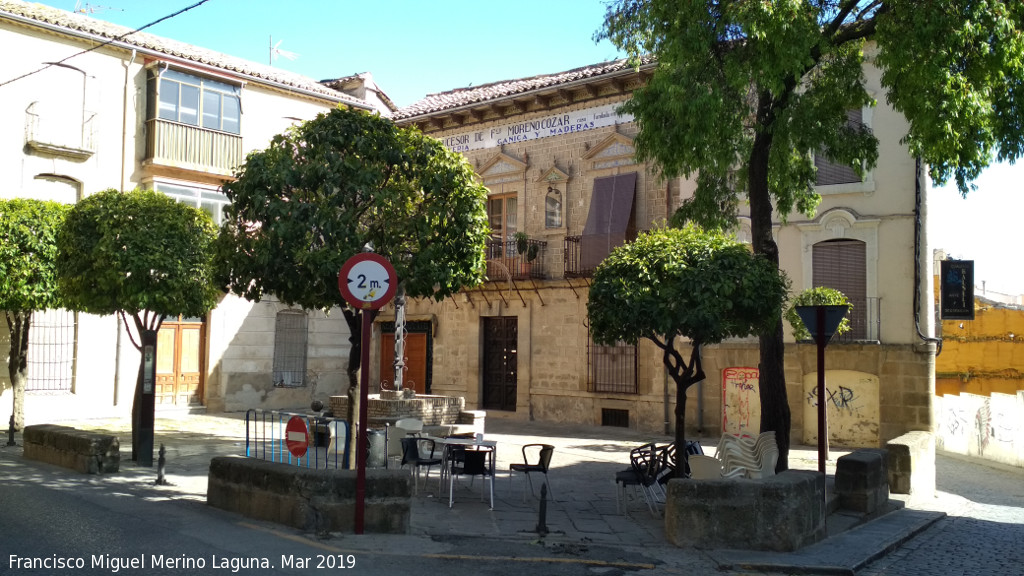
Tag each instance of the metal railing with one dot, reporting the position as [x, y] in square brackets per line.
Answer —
[518, 265]
[266, 438]
[865, 322]
[61, 133]
[185, 146]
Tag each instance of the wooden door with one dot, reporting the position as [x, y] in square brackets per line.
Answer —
[179, 366]
[415, 376]
[501, 335]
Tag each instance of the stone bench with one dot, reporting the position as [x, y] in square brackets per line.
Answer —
[86, 452]
[912, 464]
[310, 499]
[779, 513]
[862, 481]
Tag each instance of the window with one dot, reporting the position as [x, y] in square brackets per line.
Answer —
[51, 351]
[501, 213]
[610, 220]
[210, 201]
[841, 265]
[55, 187]
[290, 332]
[197, 101]
[553, 208]
[612, 368]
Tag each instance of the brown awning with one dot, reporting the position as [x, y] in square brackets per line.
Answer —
[611, 212]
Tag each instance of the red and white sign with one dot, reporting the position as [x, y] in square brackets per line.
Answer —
[296, 436]
[367, 281]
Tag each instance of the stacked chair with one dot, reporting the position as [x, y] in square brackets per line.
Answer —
[748, 458]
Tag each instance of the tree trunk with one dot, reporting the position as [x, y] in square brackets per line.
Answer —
[18, 324]
[775, 414]
[681, 387]
[354, 320]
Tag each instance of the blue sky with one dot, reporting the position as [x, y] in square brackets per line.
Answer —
[417, 47]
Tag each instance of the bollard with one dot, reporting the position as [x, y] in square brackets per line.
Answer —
[10, 433]
[542, 527]
[161, 462]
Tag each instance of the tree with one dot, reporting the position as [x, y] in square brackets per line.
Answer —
[744, 91]
[141, 255]
[28, 279]
[344, 180]
[683, 283]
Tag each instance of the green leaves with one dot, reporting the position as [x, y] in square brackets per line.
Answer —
[684, 282]
[137, 251]
[815, 297]
[318, 194]
[28, 254]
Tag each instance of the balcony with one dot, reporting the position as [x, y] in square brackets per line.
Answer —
[504, 261]
[60, 132]
[865, 322]
[189, 147]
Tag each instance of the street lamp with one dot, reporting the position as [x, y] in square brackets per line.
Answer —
[822, 321]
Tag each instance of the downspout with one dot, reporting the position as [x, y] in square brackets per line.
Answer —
[918, 232]
[124, 167]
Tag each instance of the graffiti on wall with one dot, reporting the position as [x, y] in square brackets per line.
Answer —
[851, 408]
[988, 427]
[741, 401]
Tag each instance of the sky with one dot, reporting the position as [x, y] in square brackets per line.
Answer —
[419, 47]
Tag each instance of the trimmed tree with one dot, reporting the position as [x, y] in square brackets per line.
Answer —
[329, 187]
[140, 255]
[28, 279]
[745, 91]
[683, 283]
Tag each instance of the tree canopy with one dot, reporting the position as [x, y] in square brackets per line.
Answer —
[745, 92]
[683, 283]
[344, 180]
[28, 279]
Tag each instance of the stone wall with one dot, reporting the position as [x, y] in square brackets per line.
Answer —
[307, 499]
[432, 410]
[86, 452]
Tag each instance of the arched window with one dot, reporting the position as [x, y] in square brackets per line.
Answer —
[290, 331]
[553, 208]
[55, 187]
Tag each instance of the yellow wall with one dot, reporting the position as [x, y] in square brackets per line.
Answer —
[983, 355]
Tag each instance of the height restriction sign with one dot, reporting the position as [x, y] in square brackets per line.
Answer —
[367, 281]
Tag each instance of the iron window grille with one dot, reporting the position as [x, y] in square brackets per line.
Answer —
[52, 341]
[290, 336]
[612, 369]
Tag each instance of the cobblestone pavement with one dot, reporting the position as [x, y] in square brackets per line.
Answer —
[984, 534]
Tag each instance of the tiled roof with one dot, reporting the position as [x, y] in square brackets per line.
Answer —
[496, 90]
[77, 24]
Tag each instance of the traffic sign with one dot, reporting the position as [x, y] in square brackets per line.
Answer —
[296, 436]
[367, 281]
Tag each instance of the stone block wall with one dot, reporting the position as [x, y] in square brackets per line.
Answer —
[780, 513]
[912, 464]
[307, 499]
[86, 452]
[862, 480]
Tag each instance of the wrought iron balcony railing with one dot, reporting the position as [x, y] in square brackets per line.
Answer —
[504, 260]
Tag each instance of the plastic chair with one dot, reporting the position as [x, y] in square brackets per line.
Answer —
[704, 467]
[472, 463]
[541, 464]
[393, 439]
[411, 456]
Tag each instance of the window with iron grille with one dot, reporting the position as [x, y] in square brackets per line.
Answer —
[611, 368]
[52, 340]
[290, 333]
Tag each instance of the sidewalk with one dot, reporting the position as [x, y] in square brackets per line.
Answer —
[582, 510]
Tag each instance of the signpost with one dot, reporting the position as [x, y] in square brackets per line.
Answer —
[296, 436]
[367, 281]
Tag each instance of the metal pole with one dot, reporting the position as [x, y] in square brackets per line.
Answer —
[361, 444]
[822, 423]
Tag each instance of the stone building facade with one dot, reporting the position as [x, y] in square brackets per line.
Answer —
[559, 164]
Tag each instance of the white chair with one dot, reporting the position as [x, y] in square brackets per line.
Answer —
[704, 467]
[393, 439]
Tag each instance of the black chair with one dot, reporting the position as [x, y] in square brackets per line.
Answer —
[541, 464]
[411, 456]
[645, 463]
[465, 462]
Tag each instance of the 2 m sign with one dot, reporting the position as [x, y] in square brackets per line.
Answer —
[367, 281]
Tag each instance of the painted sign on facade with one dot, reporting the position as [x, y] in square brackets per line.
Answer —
[987, 427]
[544, 127]
[741, 402]
[851, 408]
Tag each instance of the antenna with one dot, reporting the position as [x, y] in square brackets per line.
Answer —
[91, 9]
[275, 51]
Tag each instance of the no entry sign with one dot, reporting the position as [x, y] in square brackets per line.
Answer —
[296, 436]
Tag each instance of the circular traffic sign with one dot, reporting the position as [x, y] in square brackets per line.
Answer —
[367, 280]
[296, 436]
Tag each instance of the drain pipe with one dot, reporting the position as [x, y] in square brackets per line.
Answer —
[124, 151]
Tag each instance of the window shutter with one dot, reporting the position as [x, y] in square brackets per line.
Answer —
[832, 173]
[611, 212]
[842, 265]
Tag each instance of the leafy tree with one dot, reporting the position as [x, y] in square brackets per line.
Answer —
[141, 255]
[28, 279]
[744, 91]
[344, 180]
[683, 283]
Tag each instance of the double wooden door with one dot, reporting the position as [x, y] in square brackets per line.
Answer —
[415, 375]
[179, 362]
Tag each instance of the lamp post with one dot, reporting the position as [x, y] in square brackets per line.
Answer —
[822, 321]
